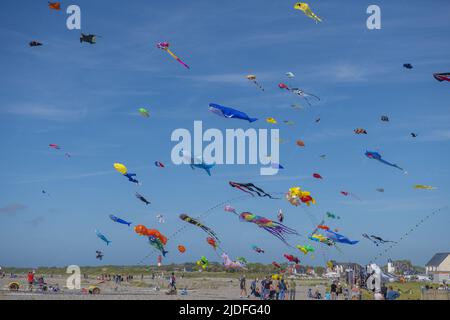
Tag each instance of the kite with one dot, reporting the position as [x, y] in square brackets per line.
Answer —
[229, 112]
[54, 146]
[251, 189]
[336, 237]
[322, 239]
[360, 131]
[317, 120]
[295, 196]
[144, 112]
[89, 38]
[157, 244]
[54, 5]
[165, 46]
[141, 197]
[276, 265]
[68, 155]
[160, 218]
[199, 163]
[229, 208]
[252, 78]
[296, 106]
[332, 216]
[414, 135]
[271, 120]
[317, 176]
[407, 66]
[203, 262]
[307, 11]
[290, 75]
[197, 223]
[424, 187]
[257, 249]
[143, 231]
[34, 44]
[212, 242]
[228, 263]
[124, 171]
[181, 249]
[323, 156]
[385, 118]
[45, 192]
[380, 190]
[346, 193]
[101, 236]
[323, 227]
[305, 249]
[298, 92]
[159, 164]
[118, 220]
[292, 258]
[376, 156]
[280, 216]
[442, 76]
[376, 240]
[99, 255]
[300, 143]
[275, 228]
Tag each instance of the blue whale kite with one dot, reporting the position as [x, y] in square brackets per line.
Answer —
[376, 156]
[229, 112]
[101, 236]
[118, 220]
[336, 237]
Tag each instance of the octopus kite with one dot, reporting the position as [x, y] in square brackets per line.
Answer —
[250, 188]
[197, 223]
[275, 228]
[143, 231]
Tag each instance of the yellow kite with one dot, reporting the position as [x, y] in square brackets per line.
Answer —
[271, 120]
[421, 186]
[307, 10]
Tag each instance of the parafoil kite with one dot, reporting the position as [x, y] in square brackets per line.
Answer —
[203, 262]
[118, 220]
[141, 197]
[165, 46]
[251, 189]
[275, 228]
[376, 156]
[144, 231]
[101, 236]
[296, 196]
[252, 78]
[144, 112]
[307, 11]
[442, 76]
[197, 223]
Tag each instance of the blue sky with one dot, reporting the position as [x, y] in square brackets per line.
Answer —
[85, 98]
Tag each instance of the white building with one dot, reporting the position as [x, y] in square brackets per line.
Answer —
[439, 267]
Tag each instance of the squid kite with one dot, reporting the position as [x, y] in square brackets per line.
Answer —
[165, 46]
[296, 196]
[376, 156]
[307, 11]
[275, 228]
[252, 78]
[251, 189]
[144, 231]
[197, 223]
[298, 92]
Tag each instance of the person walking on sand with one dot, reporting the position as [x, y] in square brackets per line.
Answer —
[292, 289]
[243, 287]
[30, 279]
[173, 282]
[333, 290]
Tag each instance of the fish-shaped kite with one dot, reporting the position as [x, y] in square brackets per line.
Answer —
[101, 236]
[376, 156]
[119, 220]
[307, 11]
[229, 112]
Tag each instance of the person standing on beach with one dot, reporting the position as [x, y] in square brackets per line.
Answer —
[243, 287]
[173, 282]
[333, 290]
[292, 289]
[30, 279]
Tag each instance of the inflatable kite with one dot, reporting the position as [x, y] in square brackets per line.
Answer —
[118, 220]
[257, 249]
[229, 208]
[292, 258]
[54, 5]
[376, 156]
[360, 131]
[275, 228]
[144, 112]
[307, 11]
[230, 264]
[159, 164]
[141, 197]
[99, 255]
[101, 236]
[165, 46]
[143, 231]
[300, 143]
[336, 237]
[296, 196]
[376, 240]
[182, 249]
[251, 189]
[212, 242]
[332, 215]
[322, 239]
[197, 223]
[317, 176]
[34, 44]
[252, 78]
[122, 169]
[442, 76]
[385, 118]
[305, 249]
[229, 113]
[54, 146]
[271, 120]
[203, 262]
[407, 66]
[157, 244]
[298, 92]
